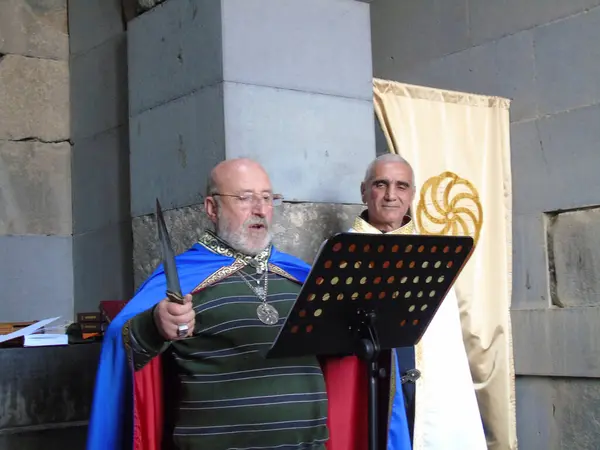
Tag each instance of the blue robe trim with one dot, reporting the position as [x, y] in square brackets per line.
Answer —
[399, 435]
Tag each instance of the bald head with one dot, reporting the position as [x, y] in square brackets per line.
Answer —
[226, 172]
[235, 203]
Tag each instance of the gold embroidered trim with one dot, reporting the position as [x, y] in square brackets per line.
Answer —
[216, 245]
[220, 274]
[279, 271]
[393, 370]
[362, 226]
[127, 342]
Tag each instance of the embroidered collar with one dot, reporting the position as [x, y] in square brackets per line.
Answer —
[362, 226]
[217, 245]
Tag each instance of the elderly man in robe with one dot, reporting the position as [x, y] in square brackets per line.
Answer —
[438, 410]
[225, 395]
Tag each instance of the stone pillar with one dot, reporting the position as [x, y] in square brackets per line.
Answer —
[65, 227]
[102, 245]
[36, 273]
[286, 82]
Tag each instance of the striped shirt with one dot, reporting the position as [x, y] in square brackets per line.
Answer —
[230, 395]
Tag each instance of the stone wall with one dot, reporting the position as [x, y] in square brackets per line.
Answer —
[65, 232]
[542, 55]
[35, 161]
[265, 84]
[298, 228]
[102, 246]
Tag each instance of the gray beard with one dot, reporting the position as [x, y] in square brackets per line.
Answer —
[239, 240]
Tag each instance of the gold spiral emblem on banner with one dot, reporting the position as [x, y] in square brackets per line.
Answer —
[449, 205]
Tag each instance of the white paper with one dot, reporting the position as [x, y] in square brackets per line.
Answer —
[27, 330]
[43, 340]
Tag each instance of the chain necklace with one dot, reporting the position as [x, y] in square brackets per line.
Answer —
[266, 313]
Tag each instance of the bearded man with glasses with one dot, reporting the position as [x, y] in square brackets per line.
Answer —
[224, 394]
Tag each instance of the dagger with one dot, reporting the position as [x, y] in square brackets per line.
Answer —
[173, 286]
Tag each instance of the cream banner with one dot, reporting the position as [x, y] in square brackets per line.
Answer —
[459, 147]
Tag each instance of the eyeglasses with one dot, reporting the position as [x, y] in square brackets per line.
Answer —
[248, 199]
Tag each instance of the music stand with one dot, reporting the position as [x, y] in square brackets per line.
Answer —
[371, 292]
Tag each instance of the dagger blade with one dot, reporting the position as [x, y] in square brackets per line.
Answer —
[168, 256]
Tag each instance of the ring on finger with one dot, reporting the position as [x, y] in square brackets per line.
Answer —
[182, 330]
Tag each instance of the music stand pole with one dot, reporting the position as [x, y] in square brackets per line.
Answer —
[368, 351]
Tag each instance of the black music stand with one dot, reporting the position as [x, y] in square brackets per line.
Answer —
[371, 292]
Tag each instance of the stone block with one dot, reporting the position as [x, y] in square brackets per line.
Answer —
[301, 228]
[314, 147]
[100, 180]
[570, 147]
[165, 58]
[92, 22]
[531, 175]
[567, 57]
[46, 387]
[99, 88]
[102, 266]
[559, 342]
[310, 46]
[530, 263]
[490, 19]
[35, 188]
[34, 99]
[574, 254]
[36, 275]
[173, 149]
[298, 228]
[185, 226]
[502, 68]
[556, 414]
[34, 28]
[408, 33]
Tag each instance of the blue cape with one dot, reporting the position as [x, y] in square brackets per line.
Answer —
[110, 409]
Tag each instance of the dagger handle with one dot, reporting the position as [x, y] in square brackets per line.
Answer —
[175, 298]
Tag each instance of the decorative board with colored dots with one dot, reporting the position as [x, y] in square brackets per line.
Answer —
[402, 278]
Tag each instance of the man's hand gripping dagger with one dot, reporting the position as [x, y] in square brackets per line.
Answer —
[174, 316]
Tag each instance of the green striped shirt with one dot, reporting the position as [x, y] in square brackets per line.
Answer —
[231, 396]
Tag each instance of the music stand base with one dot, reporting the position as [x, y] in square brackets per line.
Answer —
[368, 351]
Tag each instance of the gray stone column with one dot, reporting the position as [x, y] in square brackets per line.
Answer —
[102, 254]
[36, 275]
[286, 82]
[65, 227]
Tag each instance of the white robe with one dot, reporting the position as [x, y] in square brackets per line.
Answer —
[446, 411]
